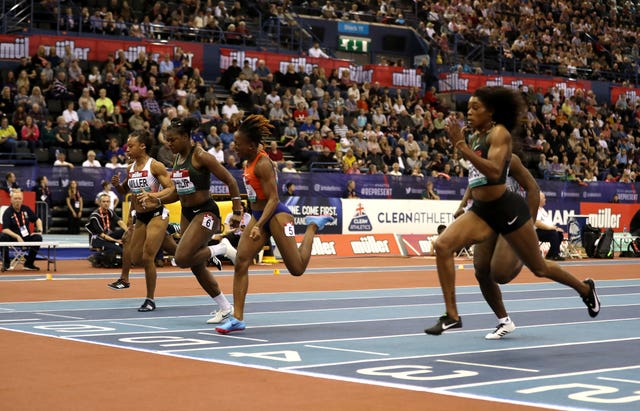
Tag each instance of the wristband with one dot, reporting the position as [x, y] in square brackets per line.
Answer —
[235, 198]
[237, 212]
[159, 200]
[456, 145]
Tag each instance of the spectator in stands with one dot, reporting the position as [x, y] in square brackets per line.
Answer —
[36, 97]
[289, 167]
[290, 189]
[16, 227]
[430, 193]
[61, 160]
[262, 70]
[114, 164]
[91, 160]
[104, 101]
[275, 154]
[85, 113]
[229, 109]
[60, 89]
[114, 200]
[74, 206]
[30, 134]
[115, 150]
[10, 183]
[70, 115]
[8, 136]
[217, 151]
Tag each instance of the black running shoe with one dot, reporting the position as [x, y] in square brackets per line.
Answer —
[147, 305]
[591, 300]
[216, 262]
[444, 323]
[119, 284]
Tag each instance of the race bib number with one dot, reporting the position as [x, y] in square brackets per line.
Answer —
[289, 230]
[207, 222]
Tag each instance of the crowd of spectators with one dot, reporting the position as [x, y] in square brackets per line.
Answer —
[325, 120]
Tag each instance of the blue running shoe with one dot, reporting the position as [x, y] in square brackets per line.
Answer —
[233, 324]
[319, 220]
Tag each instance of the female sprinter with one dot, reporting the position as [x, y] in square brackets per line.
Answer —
[191, 175]
[494, 260]
[269, 217]
[151, 219]
[494, 113]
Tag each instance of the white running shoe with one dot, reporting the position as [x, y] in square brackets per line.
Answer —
[231, 252]
[220, 316]
[501, 330]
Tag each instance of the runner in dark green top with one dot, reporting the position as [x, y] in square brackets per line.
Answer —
[200, 215]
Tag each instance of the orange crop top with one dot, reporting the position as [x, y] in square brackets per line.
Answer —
[251, 182]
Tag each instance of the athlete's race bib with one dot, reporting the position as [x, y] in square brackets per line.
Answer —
[183, 182]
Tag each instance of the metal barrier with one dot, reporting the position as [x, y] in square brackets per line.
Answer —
[43, 213]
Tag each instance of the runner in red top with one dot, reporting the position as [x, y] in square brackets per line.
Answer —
[269, 217]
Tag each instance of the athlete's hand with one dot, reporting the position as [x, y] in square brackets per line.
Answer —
[455, 132]
[458, 212]
[235, 220]
[255, 234]
[115, 180]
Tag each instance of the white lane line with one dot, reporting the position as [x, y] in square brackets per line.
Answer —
[61, 316]
[542, 377]
[344, 349]
[488, 366]
[19, 320]
[447, 354]
[234, 336]
[138, 325]
[619, 380]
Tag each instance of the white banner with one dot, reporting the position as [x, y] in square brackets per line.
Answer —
[380, 216]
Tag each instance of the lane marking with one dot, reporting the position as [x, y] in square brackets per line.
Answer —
[542, 377]
[19, 320]
[61, 316]
[234, 336]
[137, 325]
[412, 357]
[608, 320]
[344, 349]
[619, 380]
[488, 366]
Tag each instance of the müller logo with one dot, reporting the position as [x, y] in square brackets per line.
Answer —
[14, 51]
[605, 218]
[369, 245]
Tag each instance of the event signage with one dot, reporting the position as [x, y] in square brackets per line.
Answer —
[375, 216]
[97, 49]
[608, 215]
[467, 83]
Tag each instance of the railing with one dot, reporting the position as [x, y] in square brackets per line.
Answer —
[16, 16]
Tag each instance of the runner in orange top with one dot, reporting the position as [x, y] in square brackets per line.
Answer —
[269, 217]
